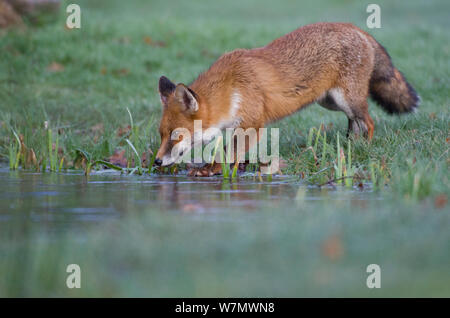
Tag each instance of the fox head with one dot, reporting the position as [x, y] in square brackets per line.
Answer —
[180, 105]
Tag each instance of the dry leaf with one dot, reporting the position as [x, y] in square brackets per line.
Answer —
[148, 40]
[144, 159]
[144, 156]
[242, 166]
[31, 158]
[97, 129]
[123, 131]
[55, 67]
[332, 248]
[160, 44]
[121, 72]
[440, 201]
[8, 16]
[118, 158]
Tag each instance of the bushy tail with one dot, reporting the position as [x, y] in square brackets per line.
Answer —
[388, 87]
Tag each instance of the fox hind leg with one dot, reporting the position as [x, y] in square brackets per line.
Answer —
[356, 109]
[361, 123]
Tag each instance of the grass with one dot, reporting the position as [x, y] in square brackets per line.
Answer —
[102, 98]
[86, 101]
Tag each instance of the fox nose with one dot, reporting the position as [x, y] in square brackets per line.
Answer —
[158, 161]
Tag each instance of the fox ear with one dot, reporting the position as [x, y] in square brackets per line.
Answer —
[187, 98]
[166, 87]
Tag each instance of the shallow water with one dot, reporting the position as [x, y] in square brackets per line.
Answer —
[176, 236]
[71, 198]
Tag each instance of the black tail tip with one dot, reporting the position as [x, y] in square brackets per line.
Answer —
[398, 102]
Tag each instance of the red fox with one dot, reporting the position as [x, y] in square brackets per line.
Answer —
[336, 65]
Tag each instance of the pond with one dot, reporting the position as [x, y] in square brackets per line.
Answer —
[74, 197]
[173, 235]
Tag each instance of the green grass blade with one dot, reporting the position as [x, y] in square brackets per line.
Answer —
[316, 142]
[339, 162]
[152, 162]
[139, 164]
[225, 166]
[131, 118]
[108, 164]
[373, 175]
[215, 149]
[55, 154]
[235, 169]
[85, 154]
[18, 151]
[310, 137]
[50, 143]
[12, 156]
[61, 164]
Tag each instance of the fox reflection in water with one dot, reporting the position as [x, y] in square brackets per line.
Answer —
[208, 195]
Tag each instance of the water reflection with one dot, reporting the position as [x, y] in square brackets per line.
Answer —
[72, 197]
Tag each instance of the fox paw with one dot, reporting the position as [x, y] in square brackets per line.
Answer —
[206, 171]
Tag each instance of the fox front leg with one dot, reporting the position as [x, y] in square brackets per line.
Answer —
[206, 171]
